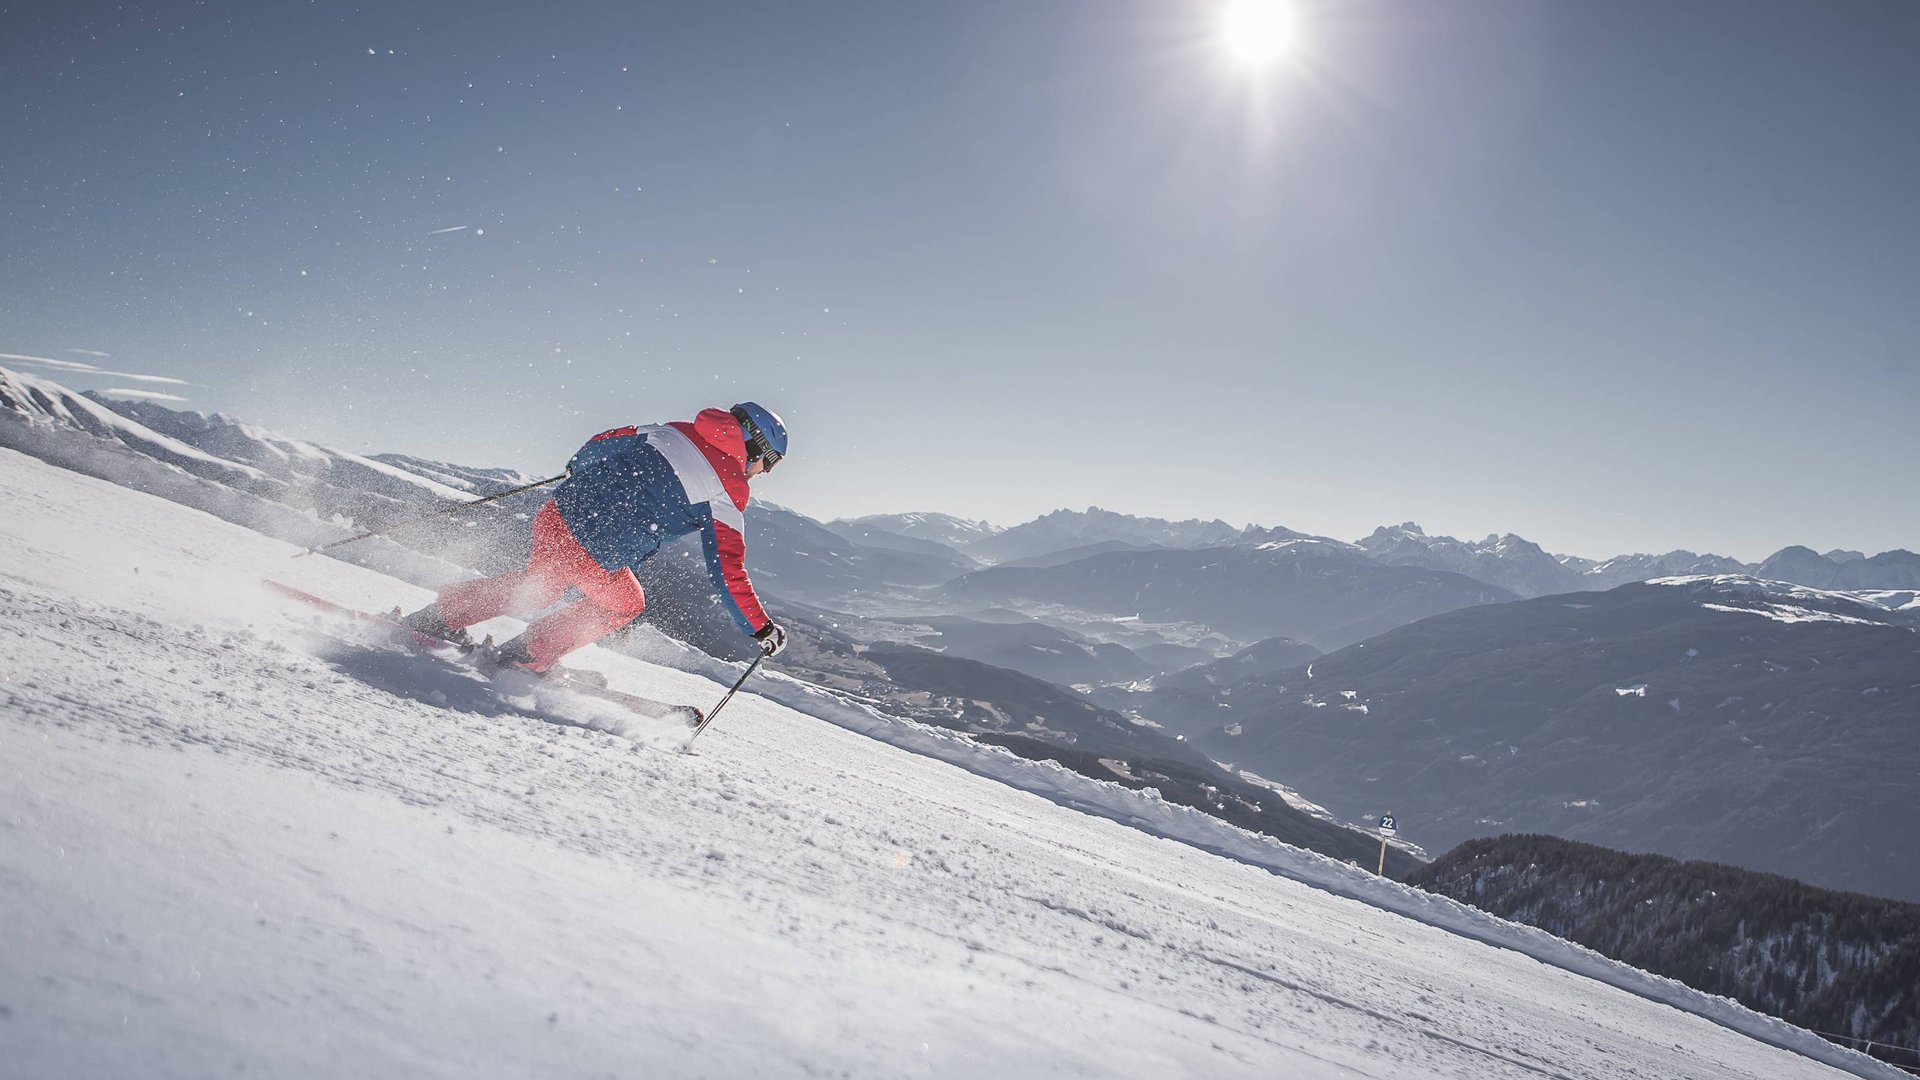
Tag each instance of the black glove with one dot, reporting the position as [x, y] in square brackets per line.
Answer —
[771, 638]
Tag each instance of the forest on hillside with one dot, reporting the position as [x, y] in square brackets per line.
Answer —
[1842, 964]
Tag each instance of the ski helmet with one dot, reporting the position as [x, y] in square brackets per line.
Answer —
[766, 436]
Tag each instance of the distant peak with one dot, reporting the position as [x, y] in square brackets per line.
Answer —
[1391, 532]
[1511, 542]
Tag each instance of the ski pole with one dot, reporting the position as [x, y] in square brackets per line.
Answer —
[708, 719]
[454, 509]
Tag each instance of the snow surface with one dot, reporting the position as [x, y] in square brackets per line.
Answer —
[235, 840]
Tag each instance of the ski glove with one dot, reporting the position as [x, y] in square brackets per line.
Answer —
[771, 638]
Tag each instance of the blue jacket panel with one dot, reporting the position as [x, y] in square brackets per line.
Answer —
[621, 500]
[624, 497]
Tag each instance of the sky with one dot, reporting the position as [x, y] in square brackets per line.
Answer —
[1616, 276]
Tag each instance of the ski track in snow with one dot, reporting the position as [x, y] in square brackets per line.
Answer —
[235, 839]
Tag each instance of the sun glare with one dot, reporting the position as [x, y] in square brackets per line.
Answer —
[1256, 32]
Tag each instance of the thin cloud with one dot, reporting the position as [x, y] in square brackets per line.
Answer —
[448, 229]
[143, 395]
[91, 352]
[48, 361]
[90, 369]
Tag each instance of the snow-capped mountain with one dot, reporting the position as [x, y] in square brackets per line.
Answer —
[1756, 723]
[296, 461]
[1897, 569]
[1065, 529]
[1521, 566]
[1621, 569]
[257, 475]
[1513, 563]
[1066, 535]
[1506, 560]
[953, 532]
[874, 536]
[251, 842]
[29, 400]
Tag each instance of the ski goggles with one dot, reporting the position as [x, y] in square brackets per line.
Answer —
[758, 447]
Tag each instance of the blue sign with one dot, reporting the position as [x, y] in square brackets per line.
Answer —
[1387, 827]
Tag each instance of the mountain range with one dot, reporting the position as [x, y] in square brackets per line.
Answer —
[371, 488]
[1505, 560]
[1323, 593]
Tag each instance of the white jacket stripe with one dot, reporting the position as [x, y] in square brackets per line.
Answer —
[697, 478]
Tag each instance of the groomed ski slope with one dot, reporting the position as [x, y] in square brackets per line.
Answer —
[234, 844]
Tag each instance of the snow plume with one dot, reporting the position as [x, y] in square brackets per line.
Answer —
[89, 369]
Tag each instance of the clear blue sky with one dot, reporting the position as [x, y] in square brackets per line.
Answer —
[1615, 275]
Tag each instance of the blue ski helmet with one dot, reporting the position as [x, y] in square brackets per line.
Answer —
[766, 436]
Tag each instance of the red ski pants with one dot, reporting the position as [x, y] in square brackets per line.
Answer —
[613, 598]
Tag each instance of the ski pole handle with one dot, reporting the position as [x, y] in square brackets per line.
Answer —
[444, 511]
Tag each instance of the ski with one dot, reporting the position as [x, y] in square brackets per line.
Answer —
[588, 683]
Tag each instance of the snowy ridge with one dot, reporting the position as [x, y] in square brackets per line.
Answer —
[112, 460]
[294, 460]
[1789, 613]
[1789, 602]
[475, 481]
[1892, 599]
[1282, 545]
[31, 399]
[244, 457]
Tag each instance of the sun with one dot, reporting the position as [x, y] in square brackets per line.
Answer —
[1255, 33]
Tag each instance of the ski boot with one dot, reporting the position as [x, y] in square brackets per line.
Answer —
[428, 621]
[513, 655]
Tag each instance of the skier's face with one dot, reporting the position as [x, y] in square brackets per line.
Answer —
[756, 467]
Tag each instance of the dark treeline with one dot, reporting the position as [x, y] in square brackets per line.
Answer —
[1834, 962]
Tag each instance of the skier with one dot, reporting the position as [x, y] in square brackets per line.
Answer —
[628, 491]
